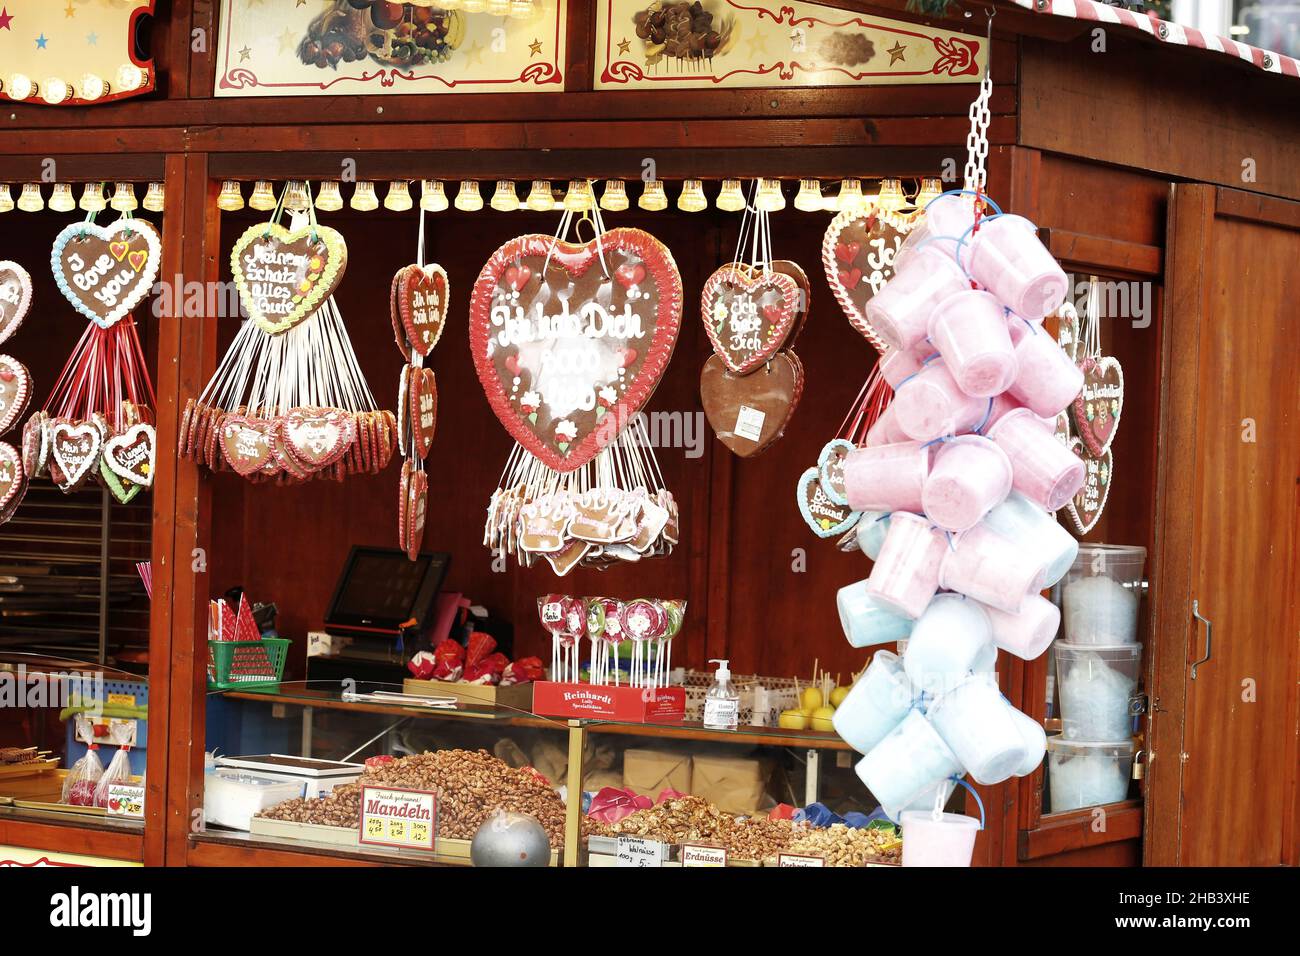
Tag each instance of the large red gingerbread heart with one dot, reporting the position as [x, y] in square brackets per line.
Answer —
[420, 298]
[571, 340]
[858, 255]
[748, 315]
[423, 411]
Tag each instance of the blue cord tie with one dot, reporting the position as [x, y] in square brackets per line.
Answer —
[979, 429]
[978, 802]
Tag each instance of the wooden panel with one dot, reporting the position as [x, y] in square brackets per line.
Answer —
[1241, 750]
[70, 838]
[1191, 212]
[1065, 832]
[1196, 120]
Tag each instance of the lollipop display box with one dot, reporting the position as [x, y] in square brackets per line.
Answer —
[640, 705]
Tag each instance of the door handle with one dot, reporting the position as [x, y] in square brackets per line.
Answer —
[1209, 635]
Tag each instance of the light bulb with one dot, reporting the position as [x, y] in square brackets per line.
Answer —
[769, 197]
[56, 91]
[295, 196]
[124, 198]
[809, 197]
[329, 198]
[931, 189]
[578, 198]
[433, 196]
[363, 197]
[473, 6]
[653, 197]
[263, 198]
[504, 197]
[891, 198]
[540, 198]
[498, 8]
[692, 197]
[731, 198]
[21, 87]
[521, 9]
[850, 196]
[130, 77]
[6, 198]
[61, 199]
[154, 197]
[92, 198]
[467, 196]
[449, 4]
[31, 200]
[230, 198]
[93, 87]
[399, 196]
[614, 198]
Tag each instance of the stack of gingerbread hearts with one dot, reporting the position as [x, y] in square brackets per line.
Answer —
[289, 402]
[98, 423]
[15, 384]
[418, 305]
[570, 341]
[753, 309]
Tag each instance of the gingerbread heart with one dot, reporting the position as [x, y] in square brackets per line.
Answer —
[420, 297]
[36, 445]
[1086, 506]
[123, 490]
[75, 447]
[317, 437]
[284, 275]
[403, 496]
[858, 252]
[131, 456]
[749, 412]
[423, 411]
[105, 271]
[247, 443]
[795, 271]
[13, 481]
[15, 391]
[748, 314]
[15, 297]
[830, 469]
[1100, 403]
[570, 340]
[826, 518]
[1067, 330]
[415, 512]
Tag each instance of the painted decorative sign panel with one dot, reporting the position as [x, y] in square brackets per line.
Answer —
[649, 44]
[71, 52]
[351, 47]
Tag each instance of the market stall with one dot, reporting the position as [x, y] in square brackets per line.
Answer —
[404, 573]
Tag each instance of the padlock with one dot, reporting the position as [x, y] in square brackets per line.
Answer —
[1139, 767]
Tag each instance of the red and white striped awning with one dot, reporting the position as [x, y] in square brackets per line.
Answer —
[1166, 32]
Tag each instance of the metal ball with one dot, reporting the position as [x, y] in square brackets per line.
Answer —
[510, 839]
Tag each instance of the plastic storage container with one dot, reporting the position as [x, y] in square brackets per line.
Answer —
[975, 722]
[1102, 592]
[1095, 684]
[875, 705]
[948, 840]
[1087, 773]
[866, 621]
[245, 664]
[909, 760]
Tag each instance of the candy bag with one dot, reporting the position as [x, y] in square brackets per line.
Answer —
[119, 771]
[79, 784]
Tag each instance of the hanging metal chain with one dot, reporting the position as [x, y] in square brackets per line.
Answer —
[977, 141]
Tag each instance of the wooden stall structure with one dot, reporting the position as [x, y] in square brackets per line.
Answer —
[1153, 163]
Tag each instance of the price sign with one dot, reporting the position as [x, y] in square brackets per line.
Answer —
[406, 819]
[799, 859]
[125, 800]
[699, 854]
[638, 851]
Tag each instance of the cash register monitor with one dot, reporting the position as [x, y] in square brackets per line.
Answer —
[381, 589]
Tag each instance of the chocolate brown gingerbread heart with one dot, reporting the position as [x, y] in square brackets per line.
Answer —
[15, 297]
[749, 412]
[283, 276]
[420, 297]
[105, 271]
[15, 391]
[75, 448]
[317, 437]
[423, 411]
[131, 456]
[13, 481]
[247, 443]
[748, 314]
[858, 255]
[1100, 403]
[1086, 506]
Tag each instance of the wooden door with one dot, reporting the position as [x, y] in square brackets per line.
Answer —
[1224, 739]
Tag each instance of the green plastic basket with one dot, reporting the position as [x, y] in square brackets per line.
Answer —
[242, 664]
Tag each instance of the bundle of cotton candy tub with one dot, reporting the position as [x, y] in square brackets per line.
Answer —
[958, 483]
